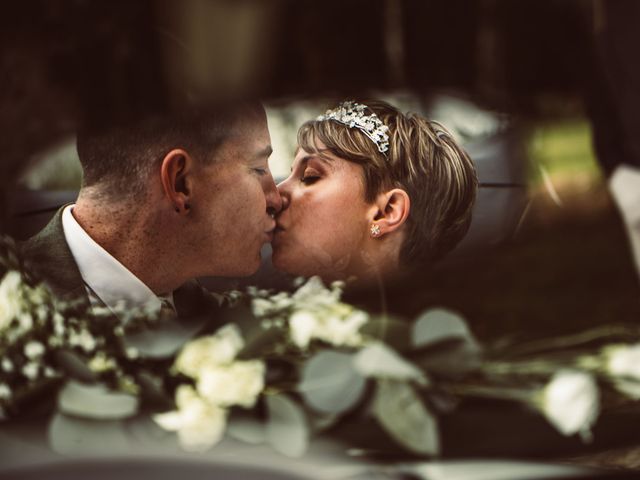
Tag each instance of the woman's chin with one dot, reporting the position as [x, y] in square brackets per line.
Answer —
[294, 265]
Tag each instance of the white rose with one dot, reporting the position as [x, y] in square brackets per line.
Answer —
[623, 361]
[302, 328]
[570, 401]
[239, 383]
[10, 298]
[344, 330]
[217, 349]
[199, 424]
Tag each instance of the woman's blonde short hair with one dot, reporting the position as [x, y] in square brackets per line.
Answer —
[424, 160]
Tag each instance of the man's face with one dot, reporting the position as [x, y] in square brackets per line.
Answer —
[234, 200]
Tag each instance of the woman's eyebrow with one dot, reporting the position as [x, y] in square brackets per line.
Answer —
[319, 157]
[304, 160]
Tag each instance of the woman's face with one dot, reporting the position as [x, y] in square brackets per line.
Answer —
[324, 222]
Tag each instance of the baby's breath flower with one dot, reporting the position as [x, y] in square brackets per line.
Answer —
[132, 353]
[30, 370]
[261, 307]
[10, 298]
[58, 324]
[42, 312]
[101, 363]
[7, 365]
[33, 349]
[82, 339]
[127, 384]
[5, 391]
[338, 325]
[26, 321]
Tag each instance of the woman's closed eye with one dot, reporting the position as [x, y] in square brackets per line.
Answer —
[310, 176]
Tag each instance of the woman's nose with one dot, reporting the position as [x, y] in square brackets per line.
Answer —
[285, 194]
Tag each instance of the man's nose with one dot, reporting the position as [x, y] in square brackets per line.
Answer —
[274, 201]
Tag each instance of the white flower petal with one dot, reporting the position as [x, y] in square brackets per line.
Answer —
[302, 326]
[239, 383]
[218, 349]
[571, 402]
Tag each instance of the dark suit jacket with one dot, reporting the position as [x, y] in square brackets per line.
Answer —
[49, 256]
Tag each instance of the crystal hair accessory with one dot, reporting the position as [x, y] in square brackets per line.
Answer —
[353, 115]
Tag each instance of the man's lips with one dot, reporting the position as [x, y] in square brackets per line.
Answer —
[270, 232]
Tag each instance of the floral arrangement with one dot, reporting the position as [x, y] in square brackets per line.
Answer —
[288, 365]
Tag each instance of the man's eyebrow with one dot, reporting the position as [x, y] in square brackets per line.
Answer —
[265, 152]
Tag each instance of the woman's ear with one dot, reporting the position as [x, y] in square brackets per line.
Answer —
[174, 175]
[392, 210]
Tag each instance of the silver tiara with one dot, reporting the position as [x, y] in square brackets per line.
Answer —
[353, 115]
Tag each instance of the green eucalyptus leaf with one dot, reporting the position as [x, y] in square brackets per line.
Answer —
[405, 418]
[81, 436]
[95, 401]
[152, 391]
[164, 339]
[287, 430]
[330, 383]
[247, 429]
[74, 366]
[439, 324]
[379, 361]
[452, 358]
[392, 330]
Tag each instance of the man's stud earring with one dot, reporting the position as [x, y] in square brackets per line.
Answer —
[375, 230]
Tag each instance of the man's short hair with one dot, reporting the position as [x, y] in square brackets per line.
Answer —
[119, 159]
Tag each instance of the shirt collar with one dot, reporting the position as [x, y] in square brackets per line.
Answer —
[111, 281]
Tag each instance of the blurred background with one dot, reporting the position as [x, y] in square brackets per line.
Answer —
[543, 95]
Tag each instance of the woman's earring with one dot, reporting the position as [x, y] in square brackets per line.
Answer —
[375, 230]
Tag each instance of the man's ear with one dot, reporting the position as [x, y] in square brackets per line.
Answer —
[174, 175]
[391, 211]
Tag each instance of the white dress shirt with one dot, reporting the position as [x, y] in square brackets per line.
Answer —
[107, 281]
